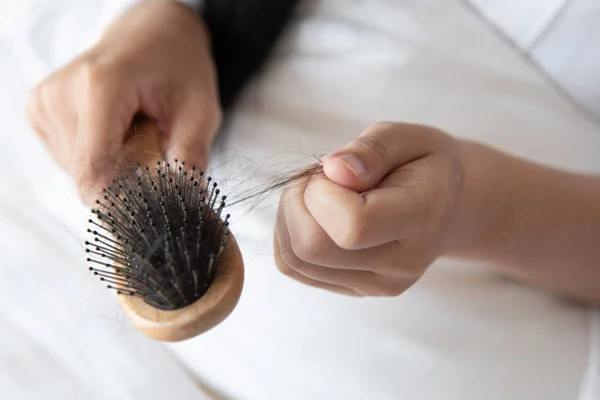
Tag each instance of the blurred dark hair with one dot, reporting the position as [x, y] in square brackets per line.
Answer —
[243, 33]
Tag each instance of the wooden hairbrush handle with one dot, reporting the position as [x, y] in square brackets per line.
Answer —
[222, 296]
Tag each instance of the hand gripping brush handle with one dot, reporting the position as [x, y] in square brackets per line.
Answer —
[160, 240]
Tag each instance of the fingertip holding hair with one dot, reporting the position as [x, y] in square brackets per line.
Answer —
[345, 169]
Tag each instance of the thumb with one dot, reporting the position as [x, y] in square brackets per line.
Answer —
[192, 131]
[380, 149]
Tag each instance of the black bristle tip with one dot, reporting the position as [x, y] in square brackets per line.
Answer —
[156, 235]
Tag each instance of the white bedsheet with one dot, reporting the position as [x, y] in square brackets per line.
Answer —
[560, 36]
[461, 333]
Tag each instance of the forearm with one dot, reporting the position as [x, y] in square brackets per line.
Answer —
[537, 223]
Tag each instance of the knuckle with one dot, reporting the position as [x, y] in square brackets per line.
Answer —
[347, 240]
[353, 233]
[383, 126]
[283, 267]
[384, 286]
[411, 264]
[96, 73]
[373, 146]
[391, 290]
[290, 259]
[309, 245]
[380, 286]
[411, 269]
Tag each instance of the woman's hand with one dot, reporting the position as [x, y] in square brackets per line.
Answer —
[154, 60]
[384, 209]
[426, 194]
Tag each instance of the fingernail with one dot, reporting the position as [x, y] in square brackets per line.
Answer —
[353, 163]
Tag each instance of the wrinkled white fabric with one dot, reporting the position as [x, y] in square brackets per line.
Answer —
[562, 37]
[461, 333]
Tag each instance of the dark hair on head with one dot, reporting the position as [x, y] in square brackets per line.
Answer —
[243, 33]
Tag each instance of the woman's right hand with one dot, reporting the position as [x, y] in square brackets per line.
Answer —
[154, 60]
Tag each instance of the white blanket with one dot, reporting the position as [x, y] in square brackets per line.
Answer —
[559, 36]
[461, 333]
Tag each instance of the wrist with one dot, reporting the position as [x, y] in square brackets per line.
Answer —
[534, 222]
[509, 207]
[479, 215]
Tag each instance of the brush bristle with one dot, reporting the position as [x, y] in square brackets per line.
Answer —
[158, 235]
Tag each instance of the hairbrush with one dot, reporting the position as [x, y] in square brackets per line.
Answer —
[160, 240]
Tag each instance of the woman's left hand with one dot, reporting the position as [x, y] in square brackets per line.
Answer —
[387, 205]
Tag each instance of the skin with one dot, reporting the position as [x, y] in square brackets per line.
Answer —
[416, 193]
[154, 60]
[430, 195]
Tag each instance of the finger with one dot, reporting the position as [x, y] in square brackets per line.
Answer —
[361, 283]
[58, 95]
[381, 148]
[284, 255]
[406, 205]
[62, 119]
[37, 116]
[105, 113]
[43, 122]
[311, 244]
[291, 273]
[364, 282]
[193, 128]
[397, 275]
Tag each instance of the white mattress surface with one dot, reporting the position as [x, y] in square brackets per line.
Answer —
[461, 333]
